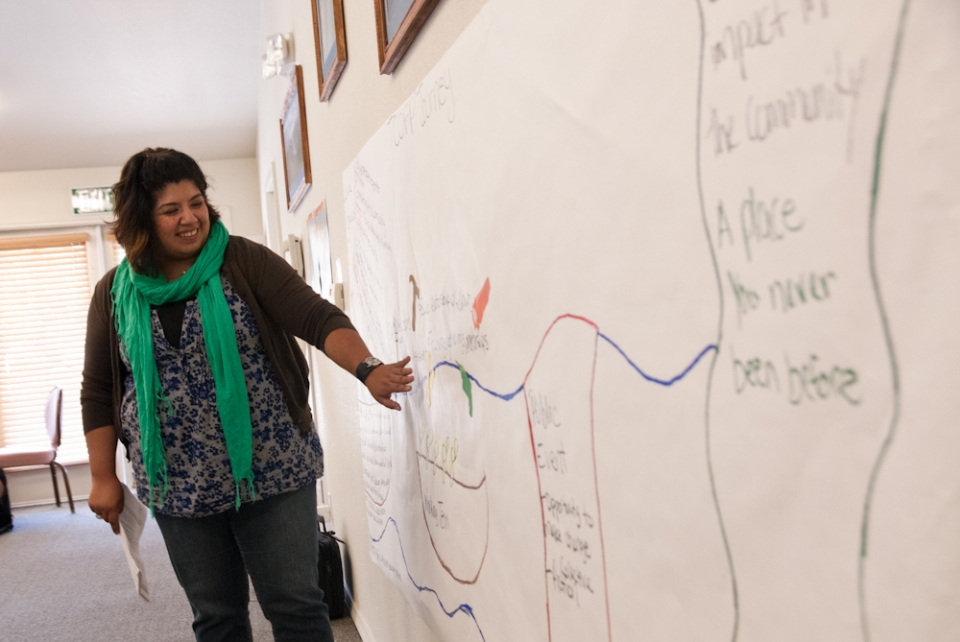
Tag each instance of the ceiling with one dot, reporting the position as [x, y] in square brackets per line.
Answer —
[87, 83]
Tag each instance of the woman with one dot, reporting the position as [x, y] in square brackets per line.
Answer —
[192, 364]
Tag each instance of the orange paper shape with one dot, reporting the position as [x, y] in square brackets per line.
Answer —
[480, 304]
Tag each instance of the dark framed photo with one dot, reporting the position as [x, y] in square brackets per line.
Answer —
[398, 23]
[330, 38]
[296, 151]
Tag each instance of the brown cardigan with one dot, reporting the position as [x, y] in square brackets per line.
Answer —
[282, 304]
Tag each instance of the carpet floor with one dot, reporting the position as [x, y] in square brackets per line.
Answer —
[64, 578]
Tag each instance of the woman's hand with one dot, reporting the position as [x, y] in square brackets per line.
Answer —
[388, 379]
[345, 347]
[106, 501]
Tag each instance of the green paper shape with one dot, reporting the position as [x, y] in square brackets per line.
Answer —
[467, 385]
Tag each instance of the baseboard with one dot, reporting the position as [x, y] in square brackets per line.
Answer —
[47, 502]
[362, 627]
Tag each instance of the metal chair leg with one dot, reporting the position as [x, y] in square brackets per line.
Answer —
[66, 483]
[56, 487]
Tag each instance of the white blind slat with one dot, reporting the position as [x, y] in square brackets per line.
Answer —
[118, 253]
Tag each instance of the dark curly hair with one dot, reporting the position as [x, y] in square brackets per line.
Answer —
[142, 179]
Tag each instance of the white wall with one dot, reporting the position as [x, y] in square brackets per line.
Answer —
[361, 102]
[40, 200]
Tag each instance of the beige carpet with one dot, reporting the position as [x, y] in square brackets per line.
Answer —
[64, 577]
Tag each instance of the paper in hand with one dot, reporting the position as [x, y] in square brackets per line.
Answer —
[132, 520]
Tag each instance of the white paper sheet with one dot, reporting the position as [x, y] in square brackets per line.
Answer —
[677, 281]
[132, 520]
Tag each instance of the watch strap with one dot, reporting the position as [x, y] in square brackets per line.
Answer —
[367, 366]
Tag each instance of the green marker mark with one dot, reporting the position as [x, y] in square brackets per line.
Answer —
[467, 385]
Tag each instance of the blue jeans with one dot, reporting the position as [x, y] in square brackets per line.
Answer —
[275, 541]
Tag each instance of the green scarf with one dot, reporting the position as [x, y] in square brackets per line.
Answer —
[133, 294]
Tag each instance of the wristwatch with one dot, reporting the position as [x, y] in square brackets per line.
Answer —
[366, 367]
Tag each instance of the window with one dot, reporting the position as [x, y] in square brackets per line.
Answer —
[45, 290]
[116, 252]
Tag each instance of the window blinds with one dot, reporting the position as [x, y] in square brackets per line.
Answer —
[117, 253]
[44, 295]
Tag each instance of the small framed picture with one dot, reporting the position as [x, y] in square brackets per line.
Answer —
[398, 23]
[330, 38]
[293, 133]
[320, 274]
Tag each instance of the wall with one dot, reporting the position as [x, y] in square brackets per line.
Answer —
[360, 104]
[40, 200]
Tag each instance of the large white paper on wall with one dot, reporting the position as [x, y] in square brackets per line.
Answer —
[678, 283]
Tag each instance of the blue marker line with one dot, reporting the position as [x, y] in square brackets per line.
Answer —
[662, 382]
[510, 395]
[465, 608]
[506, 397]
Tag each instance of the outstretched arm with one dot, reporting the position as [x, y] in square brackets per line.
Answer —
[347, 349]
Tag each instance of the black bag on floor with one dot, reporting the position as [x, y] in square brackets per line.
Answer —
[330, 566]
[6, 518]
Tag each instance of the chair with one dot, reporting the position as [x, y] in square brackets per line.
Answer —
[15, 457]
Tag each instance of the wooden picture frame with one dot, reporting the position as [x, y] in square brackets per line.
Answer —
[330, 43]
[398, 23]
[293, 138]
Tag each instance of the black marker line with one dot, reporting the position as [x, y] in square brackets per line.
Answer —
[718, 342]
[887, 335]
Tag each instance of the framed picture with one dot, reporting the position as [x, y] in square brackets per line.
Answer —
[293, 133]
[320, 272]
[330, 39]
[398, 23]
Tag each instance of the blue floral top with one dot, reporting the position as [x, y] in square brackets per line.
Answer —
[198, 468]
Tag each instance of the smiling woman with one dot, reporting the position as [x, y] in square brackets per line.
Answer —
[161, 193]
[182, 222]
[192, 362]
